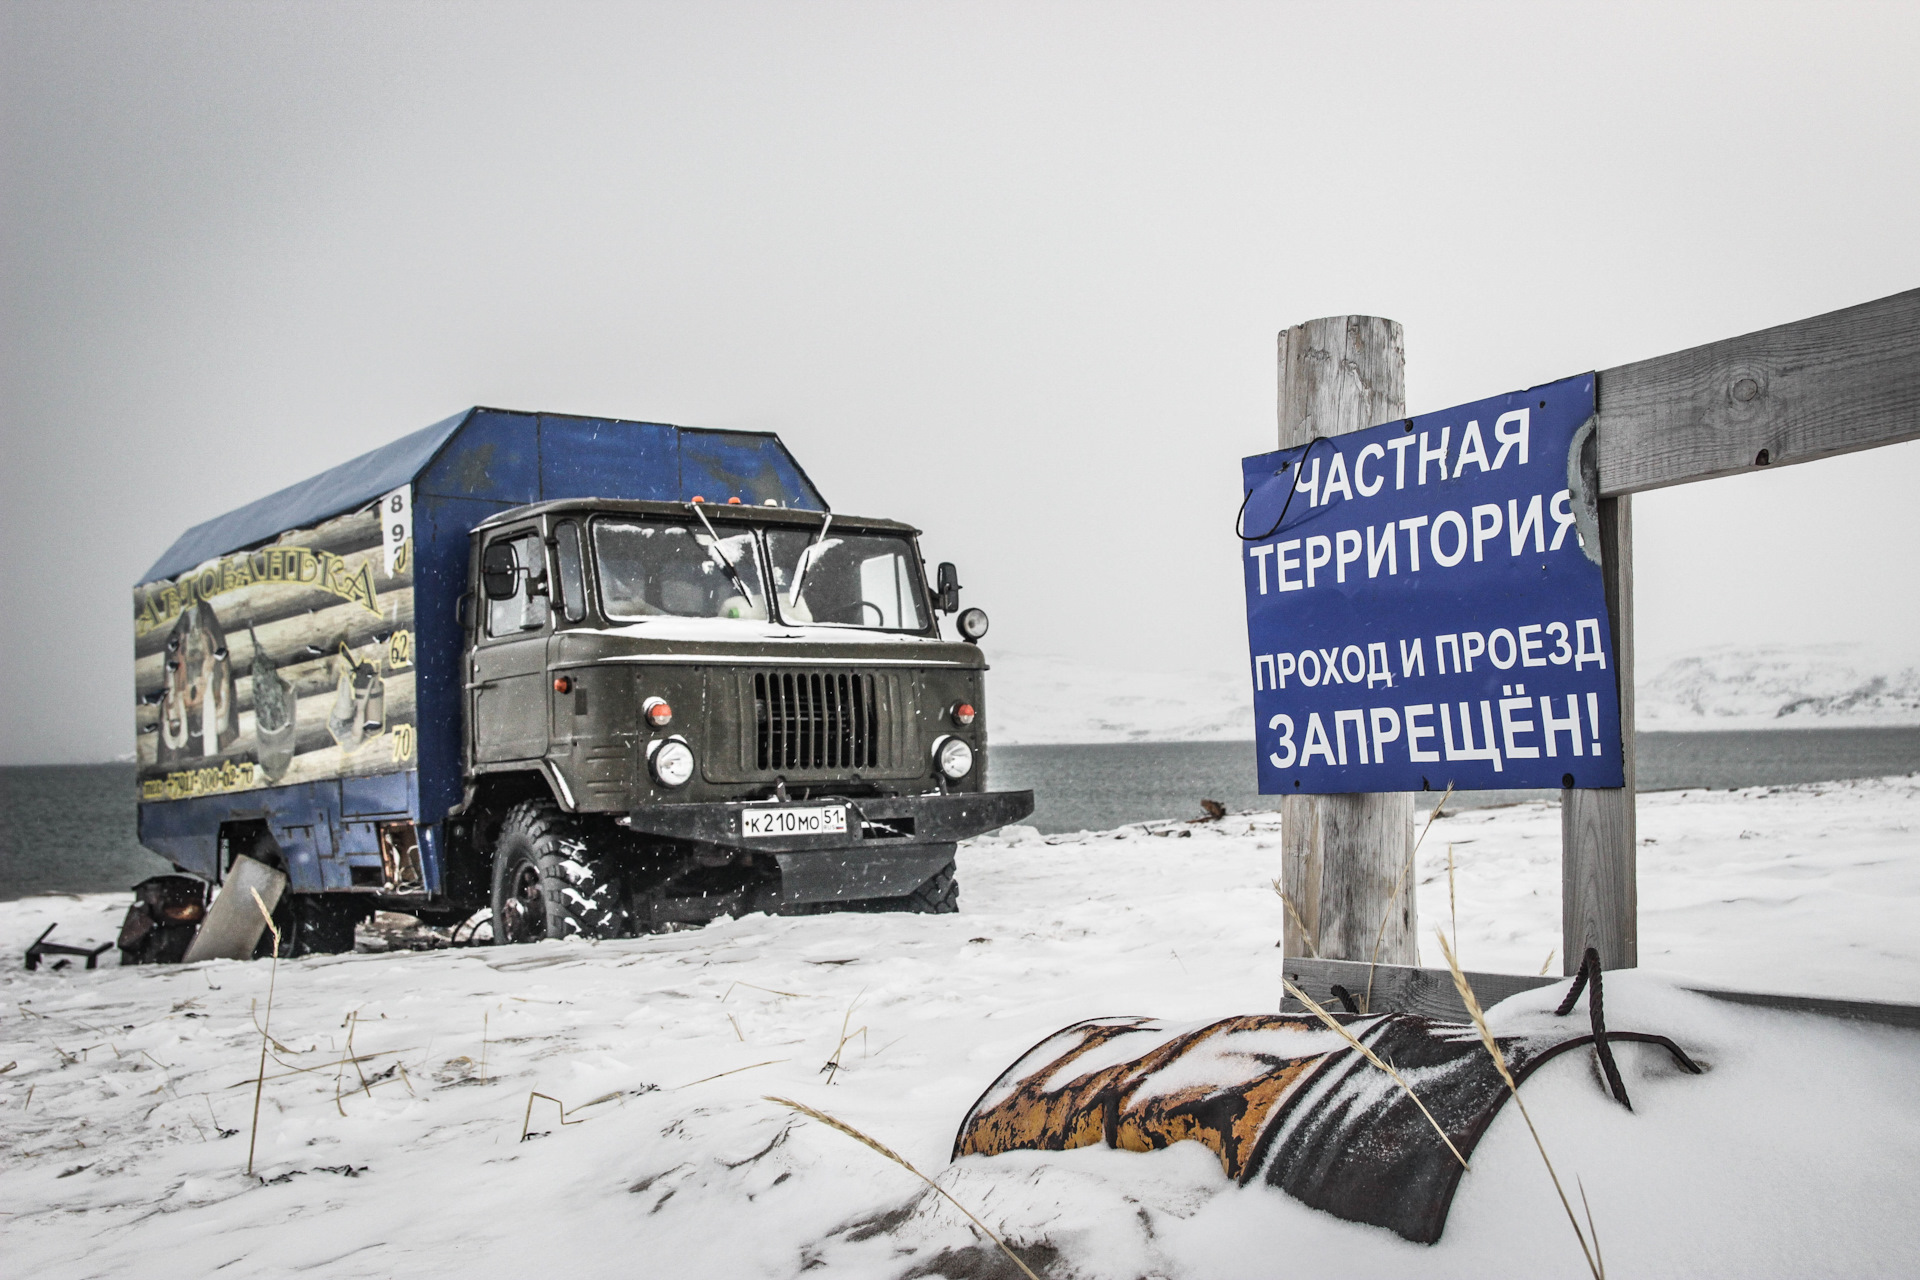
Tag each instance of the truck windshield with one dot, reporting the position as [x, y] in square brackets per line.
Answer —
[846, 580]
[671, 568]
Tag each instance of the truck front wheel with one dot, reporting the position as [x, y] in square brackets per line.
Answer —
[939, 896]
[548, 882]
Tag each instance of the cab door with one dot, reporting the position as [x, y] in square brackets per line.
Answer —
[508, 668]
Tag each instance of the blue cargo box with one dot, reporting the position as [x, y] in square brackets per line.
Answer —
[298, 660]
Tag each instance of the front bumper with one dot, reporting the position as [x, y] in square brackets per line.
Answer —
[874, 823]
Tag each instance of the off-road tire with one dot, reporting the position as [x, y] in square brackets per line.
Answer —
[549, 881]
[937, 897]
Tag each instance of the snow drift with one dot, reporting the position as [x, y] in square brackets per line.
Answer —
[125, 1119]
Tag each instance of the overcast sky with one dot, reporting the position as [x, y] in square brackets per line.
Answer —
[1012, 272]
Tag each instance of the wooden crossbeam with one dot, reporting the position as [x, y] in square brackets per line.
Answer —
[1815, 388]
[1430, 992]
[1828, 385]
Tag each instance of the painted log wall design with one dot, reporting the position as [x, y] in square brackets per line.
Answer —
[291, 662]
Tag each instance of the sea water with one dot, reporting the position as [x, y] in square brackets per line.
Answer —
[70, 828]
[1093, 788]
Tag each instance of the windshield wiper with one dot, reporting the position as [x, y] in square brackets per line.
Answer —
[806, 560]
[715, 549]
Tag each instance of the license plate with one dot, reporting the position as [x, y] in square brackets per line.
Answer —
[795, 820]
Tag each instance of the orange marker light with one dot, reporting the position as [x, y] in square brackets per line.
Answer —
[659, 713]
[562, 685]
[963, 713]
[733, 502]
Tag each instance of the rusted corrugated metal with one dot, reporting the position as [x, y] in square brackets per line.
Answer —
[1279, 1098]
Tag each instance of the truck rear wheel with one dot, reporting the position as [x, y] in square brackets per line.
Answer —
[547, 880]
[313, 924]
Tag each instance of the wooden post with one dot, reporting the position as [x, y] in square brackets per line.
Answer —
[1599, 894]
[1343, 856]
[1812, 389]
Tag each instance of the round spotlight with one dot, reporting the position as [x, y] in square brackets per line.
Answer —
[658, 713]
[671, 762]
[953, 757]
[972, 623]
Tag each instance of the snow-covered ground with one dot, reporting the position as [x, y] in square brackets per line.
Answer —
[1042, 697]
[125, 1123]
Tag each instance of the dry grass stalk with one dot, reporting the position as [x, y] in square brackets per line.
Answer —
[1600, 1263]
[349, 1056]
[1306, 934]
[340, 1069]
[1546, 962]
[771, 1062]
[1406, 870]
[1453, 907]
[874, 1145]
[318, 1066]
[260, 1076]
[483, 1046]
[253, 1012]
[1376, 1060]
[796, 995]
[832, 1067]
[1461, 985]
[528, 1121]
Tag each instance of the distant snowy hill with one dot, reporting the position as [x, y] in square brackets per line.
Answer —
[1780, 687]
[1051, 698]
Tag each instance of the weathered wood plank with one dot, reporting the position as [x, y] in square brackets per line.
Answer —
[1342, 856]
[1831, 384]
[1892, 1015]
[1399, 988]
[1430, 993]
[1599, 895]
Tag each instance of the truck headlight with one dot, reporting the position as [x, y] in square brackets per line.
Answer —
[953, 757]
[671, 761]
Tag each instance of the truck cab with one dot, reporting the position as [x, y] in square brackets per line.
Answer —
[682, 710]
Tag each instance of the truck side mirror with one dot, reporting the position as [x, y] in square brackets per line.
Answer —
[947, 593]
[499, 571]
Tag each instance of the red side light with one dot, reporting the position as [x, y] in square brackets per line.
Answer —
[659, 713]
[562, 685]
[963, 713]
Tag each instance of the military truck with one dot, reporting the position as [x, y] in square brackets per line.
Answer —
[596, 677]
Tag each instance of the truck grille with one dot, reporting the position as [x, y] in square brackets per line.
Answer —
[815, 720]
